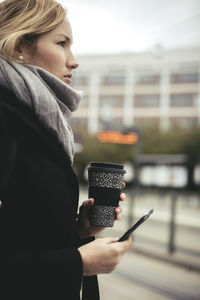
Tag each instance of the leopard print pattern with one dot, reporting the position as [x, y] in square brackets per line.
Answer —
[108, 180]
[102, 216]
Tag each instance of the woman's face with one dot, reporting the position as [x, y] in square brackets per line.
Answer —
[52, 52]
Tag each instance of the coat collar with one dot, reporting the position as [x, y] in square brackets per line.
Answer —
[9, 102]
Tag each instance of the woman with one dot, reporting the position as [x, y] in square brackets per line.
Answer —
[47, 250]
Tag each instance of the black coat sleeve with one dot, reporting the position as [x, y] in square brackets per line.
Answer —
[52, 273]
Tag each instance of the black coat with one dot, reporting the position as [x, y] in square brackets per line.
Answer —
[39, 193]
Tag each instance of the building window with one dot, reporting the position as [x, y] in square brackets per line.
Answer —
[185, 78]
[79, 80]
[113, 80]
[147, 100]
[115, 124]
[111, 101]
[84, 102]
[183, 122]
[144, 122]
[147, 79]
[182, 100]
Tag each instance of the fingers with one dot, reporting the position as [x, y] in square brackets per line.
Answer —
[122, 196]
[128, 243]
[109, 240]
[84, 207]
[88, 203]
[101, 256]
[118, 212]
[125, 245]
[123, 185]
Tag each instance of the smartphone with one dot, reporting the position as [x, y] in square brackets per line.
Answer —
[126, 235]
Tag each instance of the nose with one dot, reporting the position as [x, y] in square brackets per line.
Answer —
[72, 62]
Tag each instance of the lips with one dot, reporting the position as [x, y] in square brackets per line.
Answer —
[68, 75]
[68, 78]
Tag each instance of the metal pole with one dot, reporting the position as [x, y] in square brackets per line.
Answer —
[135, 184]
[172, 225]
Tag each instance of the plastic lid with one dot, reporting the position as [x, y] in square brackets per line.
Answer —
[106, 165]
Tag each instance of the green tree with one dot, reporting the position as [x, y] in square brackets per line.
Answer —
[153, 141]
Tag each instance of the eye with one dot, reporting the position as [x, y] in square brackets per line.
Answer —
[61, 43]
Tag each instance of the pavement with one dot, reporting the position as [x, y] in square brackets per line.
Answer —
[153, 237]
[139, 277]
[149, 271]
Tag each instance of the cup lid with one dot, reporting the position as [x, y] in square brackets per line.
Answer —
[106, 165]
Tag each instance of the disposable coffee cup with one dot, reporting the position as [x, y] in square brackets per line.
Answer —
[105, 183]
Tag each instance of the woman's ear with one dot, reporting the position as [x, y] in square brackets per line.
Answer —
[19, 55]
[22, 51]
[18, 52]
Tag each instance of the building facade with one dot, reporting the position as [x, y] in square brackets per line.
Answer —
[159, 88]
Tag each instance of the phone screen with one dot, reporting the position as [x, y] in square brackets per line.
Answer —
[126, 235]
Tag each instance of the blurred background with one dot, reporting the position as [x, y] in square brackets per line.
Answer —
[140, 79]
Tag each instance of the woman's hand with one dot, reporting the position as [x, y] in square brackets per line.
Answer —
[102, 255]
[83, 225]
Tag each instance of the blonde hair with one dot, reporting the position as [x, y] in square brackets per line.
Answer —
[26, 20]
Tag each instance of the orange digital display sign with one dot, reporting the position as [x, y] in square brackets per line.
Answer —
[117, 137]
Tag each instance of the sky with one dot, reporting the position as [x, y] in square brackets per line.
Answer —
[116, 26]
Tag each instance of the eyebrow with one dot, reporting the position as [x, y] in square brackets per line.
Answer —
[67, 38]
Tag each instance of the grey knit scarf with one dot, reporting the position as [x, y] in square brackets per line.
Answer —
[51, 100]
